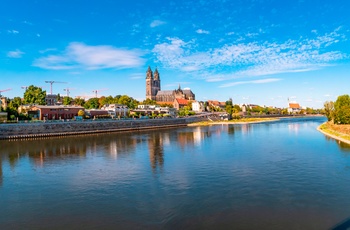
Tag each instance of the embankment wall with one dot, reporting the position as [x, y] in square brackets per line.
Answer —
[44, 129]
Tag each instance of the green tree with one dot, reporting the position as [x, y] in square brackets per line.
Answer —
[67, 100]
[92, 103]
[16, 102]
[149, 102]
[342, 110]
[229, 106]
[329, 109]
[79, 101]
[34, 95]
[129, 101]
[11, 110]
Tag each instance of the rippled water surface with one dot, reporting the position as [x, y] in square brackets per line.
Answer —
[278, 175]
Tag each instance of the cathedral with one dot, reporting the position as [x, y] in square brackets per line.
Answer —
[154, 92]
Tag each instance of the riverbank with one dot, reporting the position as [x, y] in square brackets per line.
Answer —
[337, 132]
[234, 121]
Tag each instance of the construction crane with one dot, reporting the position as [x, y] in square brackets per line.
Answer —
[68, 90]
[97, 90]
[26, 87]
[51, 82]
[4, 90]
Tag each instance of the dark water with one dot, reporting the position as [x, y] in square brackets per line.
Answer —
[279, 175]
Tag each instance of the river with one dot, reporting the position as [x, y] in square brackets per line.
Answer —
[274, 175]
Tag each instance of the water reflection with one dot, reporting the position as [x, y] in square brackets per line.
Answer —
[156, 151]
[224, 176]
[0, 172]
[344, 147]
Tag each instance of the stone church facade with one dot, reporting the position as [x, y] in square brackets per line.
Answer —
[154, 92]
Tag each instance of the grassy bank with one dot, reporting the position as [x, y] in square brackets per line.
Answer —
[235, 121]
[338, 132]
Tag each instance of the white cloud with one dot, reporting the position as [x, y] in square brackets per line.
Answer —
[13, 31]
[156, 23]
[252, 58]
[200, 31]
[79, 55]
[261, 81]
[15, 54]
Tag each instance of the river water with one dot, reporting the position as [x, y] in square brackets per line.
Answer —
[276, 175]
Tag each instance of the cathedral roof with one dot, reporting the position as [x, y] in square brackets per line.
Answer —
[165, 92]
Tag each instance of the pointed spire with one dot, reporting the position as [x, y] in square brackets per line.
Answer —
[149, 74]
[156, 74]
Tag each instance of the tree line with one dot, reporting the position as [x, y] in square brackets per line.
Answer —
[338, 112]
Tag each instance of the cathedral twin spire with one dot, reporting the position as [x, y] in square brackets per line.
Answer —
[151, 75]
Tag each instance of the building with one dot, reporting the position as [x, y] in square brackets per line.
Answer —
[180, 103]
[116, 110]
[95, 113]
[294, 107]
[3, 116]
[154, 92]
[51, 99]
[146, 110]
[3, 103]
[54, 112]
[217, 104]
[197, 106]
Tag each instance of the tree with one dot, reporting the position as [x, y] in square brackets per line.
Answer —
[229, 106]
[129, 101]
[328, 109]
[79, 101]
[67, 100]
[149, 102]
[92, 103]
[16, 102]
[34, 95]
[342, 110]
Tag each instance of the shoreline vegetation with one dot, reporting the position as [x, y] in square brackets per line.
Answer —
[337, 132]
[234, 121]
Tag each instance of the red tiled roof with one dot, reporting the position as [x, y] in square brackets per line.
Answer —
[294, 105]
[181, 101]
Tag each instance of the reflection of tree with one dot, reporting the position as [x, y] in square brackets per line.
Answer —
[0, 171]
[231, 129]
[344, 147]
[156, 151]
[43, 150]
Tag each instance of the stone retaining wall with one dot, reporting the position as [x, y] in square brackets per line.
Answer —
[32, 130]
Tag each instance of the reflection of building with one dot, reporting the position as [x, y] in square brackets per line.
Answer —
[156, 152]
[154, 92]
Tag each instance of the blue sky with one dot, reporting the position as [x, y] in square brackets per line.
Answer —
[253, 51]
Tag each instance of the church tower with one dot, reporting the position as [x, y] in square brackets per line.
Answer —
[152, 84]
[156, 82]
[149, 83]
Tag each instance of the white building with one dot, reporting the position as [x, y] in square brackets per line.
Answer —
[294, 107]
[197, 107]
[116, 110]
